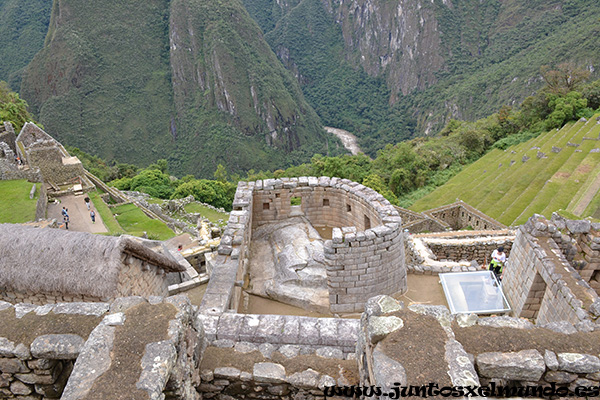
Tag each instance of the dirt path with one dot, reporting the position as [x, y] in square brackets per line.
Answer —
[348, 140]
[587, 197]
[79, 216]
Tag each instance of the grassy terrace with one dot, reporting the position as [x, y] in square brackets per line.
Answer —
[509, 190]
[16, 207]
[135, 222]
[107, 216]
[212, 215]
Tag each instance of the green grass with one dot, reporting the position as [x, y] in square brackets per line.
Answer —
[135, 223]
[16, 207]
[511, 194]
[212, 215]
[107, 216]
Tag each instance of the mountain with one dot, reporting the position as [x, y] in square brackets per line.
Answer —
[559, 169]
[419, 63]
[188, 80]
[23, 27]
[249, 83]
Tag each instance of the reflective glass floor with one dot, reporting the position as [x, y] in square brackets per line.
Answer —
[474, 292]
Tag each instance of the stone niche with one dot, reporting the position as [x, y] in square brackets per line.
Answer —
[362, 251]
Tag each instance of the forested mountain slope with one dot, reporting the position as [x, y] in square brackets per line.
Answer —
[23, 27]
[387, 70]
[188, 80]
[196, 82]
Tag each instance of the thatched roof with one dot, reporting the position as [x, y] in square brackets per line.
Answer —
[53, 260]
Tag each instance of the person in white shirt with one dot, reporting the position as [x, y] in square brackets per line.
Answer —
[497, 263]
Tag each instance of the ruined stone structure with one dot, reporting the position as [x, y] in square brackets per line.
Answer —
[455, 216]
[364, 257]
[462, 251]
[540, 279]
[508, 355]
[41, 151]
[41, 266]
[215, 352]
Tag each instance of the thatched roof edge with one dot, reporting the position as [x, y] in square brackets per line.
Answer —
[142, 252]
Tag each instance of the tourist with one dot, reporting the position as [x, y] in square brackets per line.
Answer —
[64, 213]
[497, 262]
[87, 202]
[66, 220]
[93, 216]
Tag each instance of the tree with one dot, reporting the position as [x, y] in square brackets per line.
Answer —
[565, 78]
[12, 108]
[221, 173]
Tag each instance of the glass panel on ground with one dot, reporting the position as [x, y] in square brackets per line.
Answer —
[474, 292]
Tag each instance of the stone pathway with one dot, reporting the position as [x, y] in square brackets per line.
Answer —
[79, 216]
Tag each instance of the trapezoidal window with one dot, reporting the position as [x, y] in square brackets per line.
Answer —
[266, 206]
[296, 201]
[367, 222]
[325, 202]
[348, 208]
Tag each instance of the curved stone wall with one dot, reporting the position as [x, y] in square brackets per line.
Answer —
[365, 256]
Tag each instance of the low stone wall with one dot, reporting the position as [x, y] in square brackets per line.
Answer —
[9, 172]
[42, 204]
[460, 215]
[479, 250]
[535, 362]
[281, 330]
[274, 341]
[462, 251]
[540, 283]
[40, 367]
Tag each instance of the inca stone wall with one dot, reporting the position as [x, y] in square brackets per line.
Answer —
[365, 256]
[534, 361]
[53, 165]
[44, 298]
[366, 253]
[540, 283]
[40, 367]
[460, 215]
[7, 135]
[140, 278]
[462, 251]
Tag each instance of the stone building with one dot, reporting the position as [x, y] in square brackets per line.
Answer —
[41, 266]
[364, 257]
[41, 151]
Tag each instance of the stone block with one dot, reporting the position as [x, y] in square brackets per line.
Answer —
[269, 373]
[578, 363]
[525, 365]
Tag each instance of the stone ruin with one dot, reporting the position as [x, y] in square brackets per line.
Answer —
[456, 216]
[165, 348]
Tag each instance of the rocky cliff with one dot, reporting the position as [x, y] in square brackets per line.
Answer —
[188, 80]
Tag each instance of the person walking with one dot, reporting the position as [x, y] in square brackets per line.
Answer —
[497, 262]
[93, 216]
[87, 202]
[66, 220]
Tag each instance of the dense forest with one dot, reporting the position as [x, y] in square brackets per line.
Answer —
[249, 84]
[402, 172]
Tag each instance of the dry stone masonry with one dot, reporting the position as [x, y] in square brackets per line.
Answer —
[541, 283]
